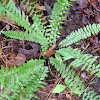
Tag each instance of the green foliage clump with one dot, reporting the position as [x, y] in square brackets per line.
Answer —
[20, 82]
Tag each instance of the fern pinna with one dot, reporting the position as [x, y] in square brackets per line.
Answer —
[22, 81]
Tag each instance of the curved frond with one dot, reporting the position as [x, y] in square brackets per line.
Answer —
[22, 81]
[81, 33]
[87, 61]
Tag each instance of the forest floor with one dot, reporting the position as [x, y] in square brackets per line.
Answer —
[15, 52]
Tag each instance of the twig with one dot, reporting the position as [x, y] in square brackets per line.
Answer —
[50, 70]
[86, 47]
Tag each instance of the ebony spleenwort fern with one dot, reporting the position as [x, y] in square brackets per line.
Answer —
[47, 36]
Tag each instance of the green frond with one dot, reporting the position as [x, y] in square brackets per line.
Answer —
[26, 36]
[56, 20]
[16, 15]
[72, 80]
[81, 33]
[22, 81]
[90, 95]
[34, 32]
[38, 19]
[2, 9]
[38, 24]
[87, 61]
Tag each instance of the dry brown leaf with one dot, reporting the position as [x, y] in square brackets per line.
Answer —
[31, 50]
[82, 3]
[16, 60]
[50, 51]
[41, 7]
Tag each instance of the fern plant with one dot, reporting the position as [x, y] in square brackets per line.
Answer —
[22, 81]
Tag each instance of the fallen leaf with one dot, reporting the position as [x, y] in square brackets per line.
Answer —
[41, 7]
[50, 51]
[16, 60]
[32, 50]
[82, 3]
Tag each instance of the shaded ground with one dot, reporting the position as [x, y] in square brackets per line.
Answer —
[15, 52]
